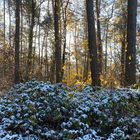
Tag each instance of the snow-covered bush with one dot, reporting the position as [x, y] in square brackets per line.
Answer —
[38, 110]
[35, 108]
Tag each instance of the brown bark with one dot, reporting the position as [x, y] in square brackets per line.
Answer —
[17, 42]
[30, 49]
[58, 66]
[92, 44]
[99, 40]
[64, 36]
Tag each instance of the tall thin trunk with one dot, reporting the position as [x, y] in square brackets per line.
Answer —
[69, 58]
[52, 69]
[4, 66]
[65, 36]
[46, 59]
[130, 65]
[99, 41]
[21, 31]
[85, 64]
[42, 54]
[106, 44]
[21, 41]
[30, 51]
[92, 44]
[9, 11]
[46, 48]
[76, 51]
[57, 42]
[39, 46]
[4, 21]
[34, 49]
[86, 57]
[39, 29]
[17, 40]
[123, 43]
[123, 59]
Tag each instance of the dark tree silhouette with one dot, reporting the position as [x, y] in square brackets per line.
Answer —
[57, 41]
[130, 65]
[92, 44]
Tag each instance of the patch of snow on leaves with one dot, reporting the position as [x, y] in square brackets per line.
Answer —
[37, 110]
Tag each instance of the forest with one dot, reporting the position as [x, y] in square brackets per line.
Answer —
[69, 69]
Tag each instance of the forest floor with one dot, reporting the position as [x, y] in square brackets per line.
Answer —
[39, 111]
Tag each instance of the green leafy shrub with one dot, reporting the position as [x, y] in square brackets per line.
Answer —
[37, 110]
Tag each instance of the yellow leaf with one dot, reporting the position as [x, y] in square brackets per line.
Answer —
[129, 58]
[64, 67]
[115, 83]
[105, 82]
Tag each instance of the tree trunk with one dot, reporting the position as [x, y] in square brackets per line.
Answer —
[92, 44]
[4, 20]
[39, 29]
[130, 65]
[29, 61]
[64, 36]
[52, 69]
[99, 41]
[76, 50]
[123, 60]
[106, 44]
[42, 56]
[58, 67]
[4, 65]
[46, 59]
[21, 41]
[9, 11]
[86, 56]
[69, 58]
[17, 40]
[123, 42]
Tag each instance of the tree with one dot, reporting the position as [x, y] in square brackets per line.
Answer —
[64, 16]
[99, 40]
[123, 31]
[92, 44]
[4, 26]
[58, 66]
[4, 39]
[130, 65]
[9, 11]
[30, 48]
[17, 40]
